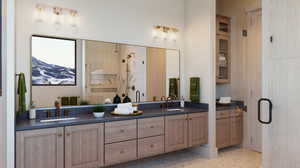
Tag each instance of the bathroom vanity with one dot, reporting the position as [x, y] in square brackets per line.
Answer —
[88, 142]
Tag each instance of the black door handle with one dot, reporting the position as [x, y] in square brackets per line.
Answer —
[270, 110]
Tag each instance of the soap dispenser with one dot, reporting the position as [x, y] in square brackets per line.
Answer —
[117, 99]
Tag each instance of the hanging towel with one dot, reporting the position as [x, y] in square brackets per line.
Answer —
[65, 101]
[74, 101]
[21, 92]
[173, 87]
[195, 89]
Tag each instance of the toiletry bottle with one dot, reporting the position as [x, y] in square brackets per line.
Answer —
[182, 102]
[117, 99]
[126, 99]
[32, 112]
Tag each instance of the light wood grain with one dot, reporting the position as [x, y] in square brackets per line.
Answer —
[84, 146]
[198, 129]
[223, 133]
[120, 152]
[176, 133]
[151, 127]
[236, 131]
[40, 148]
[156, 73]
[151, 146]
[120, 131]
[223, 114]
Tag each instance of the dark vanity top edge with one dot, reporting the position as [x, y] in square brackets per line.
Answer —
[88, 118]
[234, 104]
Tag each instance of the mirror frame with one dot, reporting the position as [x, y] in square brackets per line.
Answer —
[58, 37]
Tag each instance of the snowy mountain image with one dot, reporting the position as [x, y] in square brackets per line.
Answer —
[50, 74]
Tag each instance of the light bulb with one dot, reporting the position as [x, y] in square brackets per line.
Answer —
[57, 15]
[172, 36]
[73, 18]
[155, 33]
[163, 35]
[40, 13]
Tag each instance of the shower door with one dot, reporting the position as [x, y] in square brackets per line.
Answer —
[281, 83]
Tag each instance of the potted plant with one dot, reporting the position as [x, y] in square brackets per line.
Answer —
[98, 111]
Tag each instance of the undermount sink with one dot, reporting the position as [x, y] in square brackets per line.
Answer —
[58, 119]
[173, 110]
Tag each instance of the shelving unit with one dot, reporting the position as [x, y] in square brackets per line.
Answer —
[223, 56]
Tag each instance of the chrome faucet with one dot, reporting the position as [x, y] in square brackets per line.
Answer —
[138, 96]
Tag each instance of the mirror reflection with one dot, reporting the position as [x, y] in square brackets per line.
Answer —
[105, 73]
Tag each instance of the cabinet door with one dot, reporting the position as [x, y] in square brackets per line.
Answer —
[176, 133]
[236, 130]
[223, 133]
[40, 148]
[84, 146]
[198, 129]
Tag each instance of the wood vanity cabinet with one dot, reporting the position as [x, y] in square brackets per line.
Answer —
[198, 129]
[84, 146]
[40, 148]
[176, 132]
[229, 128]
[183, 131]
[110, 143]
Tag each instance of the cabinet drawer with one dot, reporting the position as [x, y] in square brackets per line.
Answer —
[120, 131]
[120, 152]
[151, 146]
[151, 127]
[223, 114]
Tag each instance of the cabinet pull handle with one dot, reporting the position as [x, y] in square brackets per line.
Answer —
[59, 135]
[68, 134]
[152, 146]
[122, 131]
[151, 126]
[122, 152]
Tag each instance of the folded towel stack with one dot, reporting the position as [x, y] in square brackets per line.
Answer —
[125, 108]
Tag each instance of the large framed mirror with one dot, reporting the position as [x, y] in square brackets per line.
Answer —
[111, 73]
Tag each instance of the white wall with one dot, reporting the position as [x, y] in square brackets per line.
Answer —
[129, 21]
[7, 101]
[199, 58]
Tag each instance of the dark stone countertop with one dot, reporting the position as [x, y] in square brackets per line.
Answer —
[88, 118]
[232, 105]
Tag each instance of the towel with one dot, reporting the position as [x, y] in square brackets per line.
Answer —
[74, 101]
[173, 87]
[65, 101]
[125, 108]
[21, 92]
[195, 90]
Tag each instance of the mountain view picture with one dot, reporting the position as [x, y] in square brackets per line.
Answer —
[53, 61]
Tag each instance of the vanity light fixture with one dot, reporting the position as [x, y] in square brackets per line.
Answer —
[165, 33]
[58, 14]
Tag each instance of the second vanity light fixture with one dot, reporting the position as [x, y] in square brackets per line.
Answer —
[58, 15]
[165, 32]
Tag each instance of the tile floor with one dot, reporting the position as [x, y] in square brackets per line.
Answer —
[228, 158]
